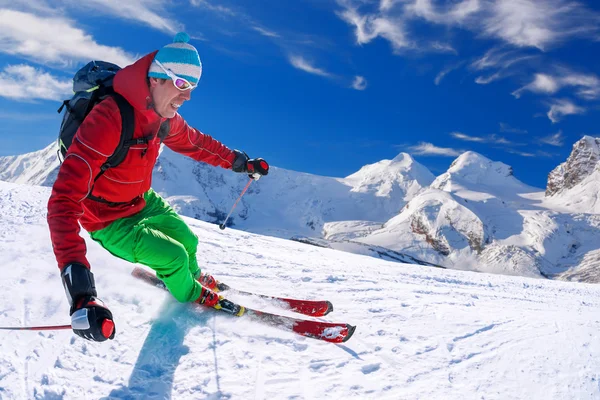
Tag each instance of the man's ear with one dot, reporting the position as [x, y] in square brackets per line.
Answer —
[153, 82]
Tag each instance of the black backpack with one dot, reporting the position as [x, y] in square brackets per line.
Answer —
[91, 84]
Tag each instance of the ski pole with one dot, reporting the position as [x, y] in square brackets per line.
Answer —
[35, 328]
[222, 226]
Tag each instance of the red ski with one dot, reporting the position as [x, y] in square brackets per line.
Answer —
[326, 331]
[312, 308]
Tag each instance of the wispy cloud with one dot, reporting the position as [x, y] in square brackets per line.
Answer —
[467, 138]
[542, 83]
[442, 74]
[440, 47]
[208, 5]
[302, 64]
[266, 32]
[521, 153]
[586, 86]
[359, 83]
[28, 35]
[554, 140]
[453, 14]
[429, 149]
[153, 13]
[521, 23]
[26, 83]
[562, 107]
[370, 26]
[502, 62]
[504, 127]
[493, 138]
[541, 24]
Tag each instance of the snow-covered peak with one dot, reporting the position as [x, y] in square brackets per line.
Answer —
[582, 162]
[473, 168]
[37, 168]
[404, 158]
[402, 177]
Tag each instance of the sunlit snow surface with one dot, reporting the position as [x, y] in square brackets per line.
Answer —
[423, 333]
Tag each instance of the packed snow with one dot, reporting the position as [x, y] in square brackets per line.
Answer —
[423, 333]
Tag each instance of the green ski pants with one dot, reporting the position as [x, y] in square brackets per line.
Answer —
[159, 238]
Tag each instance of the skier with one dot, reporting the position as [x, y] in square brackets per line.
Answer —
[117, 206]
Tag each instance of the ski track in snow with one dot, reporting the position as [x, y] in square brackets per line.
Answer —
[423, 333]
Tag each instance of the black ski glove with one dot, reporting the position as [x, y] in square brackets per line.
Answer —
[90, 318]
[255, 167]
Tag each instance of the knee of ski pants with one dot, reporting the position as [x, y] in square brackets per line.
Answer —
[160, 252]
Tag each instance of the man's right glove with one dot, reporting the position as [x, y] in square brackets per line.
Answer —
[90, 318]
[255, 167]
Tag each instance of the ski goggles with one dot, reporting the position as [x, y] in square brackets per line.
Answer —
[179, 82]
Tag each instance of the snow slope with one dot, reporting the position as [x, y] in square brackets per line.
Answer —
[423, 333]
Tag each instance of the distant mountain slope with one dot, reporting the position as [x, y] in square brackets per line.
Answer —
[475, 216]
[285, 203]
[37, 168]
[574, 185]
[478, 216]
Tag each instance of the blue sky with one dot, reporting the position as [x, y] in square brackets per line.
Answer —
[326, 86]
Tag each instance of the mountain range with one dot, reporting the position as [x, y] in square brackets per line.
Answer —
[475, 216]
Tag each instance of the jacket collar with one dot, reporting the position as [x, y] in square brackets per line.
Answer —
[131, 82]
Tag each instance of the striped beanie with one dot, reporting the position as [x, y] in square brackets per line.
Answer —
[179, 57]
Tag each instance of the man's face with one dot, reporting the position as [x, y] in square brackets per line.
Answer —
[166, 97]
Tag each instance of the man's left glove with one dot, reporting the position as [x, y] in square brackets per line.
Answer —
[255, 167]
[90, 318]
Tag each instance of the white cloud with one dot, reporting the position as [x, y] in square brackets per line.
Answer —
[521, 153]
[27, 35]
[524, 23]
[462, 136]
[542, 83]
[448, 15]
[442, 74]
[504, 62]
[429, 149]
[266, 32]
[541, 24]
[26, 83]
[214, 8]
[359, 83]
[482, 139]
[369, 27]
[442, 47]
[587, 86]
[150, 12]
[560, 108]
[302, 64]
[554, 140]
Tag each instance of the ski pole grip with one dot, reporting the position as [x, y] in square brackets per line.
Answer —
[108, 328]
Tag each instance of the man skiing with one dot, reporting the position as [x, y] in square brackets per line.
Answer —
[117, 206]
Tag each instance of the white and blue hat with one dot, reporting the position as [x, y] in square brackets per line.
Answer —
[179, 57]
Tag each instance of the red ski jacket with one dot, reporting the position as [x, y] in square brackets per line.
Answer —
[96, 139]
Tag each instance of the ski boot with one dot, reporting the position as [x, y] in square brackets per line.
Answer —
[207, 281]
[211, 299]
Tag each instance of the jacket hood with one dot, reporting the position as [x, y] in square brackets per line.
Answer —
[131, 83]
